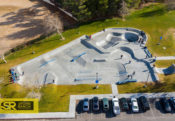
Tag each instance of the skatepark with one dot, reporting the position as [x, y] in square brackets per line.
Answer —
[109, 56]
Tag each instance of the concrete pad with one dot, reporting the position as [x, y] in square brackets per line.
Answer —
[82, 61]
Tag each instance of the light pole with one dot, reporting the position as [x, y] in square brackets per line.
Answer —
[96, 81]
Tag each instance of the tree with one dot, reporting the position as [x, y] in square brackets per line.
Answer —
[53, 23]
[93, 8]
[141, 3]
[83, 13]
[123, 10]
[170, 4]
[3, 58]
[113, 7]
[102, 7]
[2, 49]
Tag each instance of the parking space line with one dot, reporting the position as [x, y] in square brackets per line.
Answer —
[152, 111]
[132, 115]
[120, 116]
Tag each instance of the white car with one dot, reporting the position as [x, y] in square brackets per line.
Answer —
[116, 106]
[86, 104]
[135, 107]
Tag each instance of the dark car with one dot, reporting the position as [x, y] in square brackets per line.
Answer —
[95, 104]
[105, 104]
[144, 103]
[124, 104]
[172, 101]
[165, 104]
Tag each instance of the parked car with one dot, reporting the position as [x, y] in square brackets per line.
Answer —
[86, 104]
[135, 107]
[144, 103]
[116, 107]
[165, 104]
[95, 104]
[124, 104]
[105, 104]
[172, 101]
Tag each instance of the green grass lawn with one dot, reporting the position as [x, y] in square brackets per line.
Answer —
[56, 98]
[167, 84]
[164, 63]
[154, 20]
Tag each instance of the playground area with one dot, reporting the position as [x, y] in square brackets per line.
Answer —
[113, 55]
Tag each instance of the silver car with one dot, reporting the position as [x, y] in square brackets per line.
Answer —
[86, 104]
[135, 107]
[116, 107]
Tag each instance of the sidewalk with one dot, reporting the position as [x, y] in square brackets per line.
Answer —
[148, 95]
[166, 58]
[114, 89]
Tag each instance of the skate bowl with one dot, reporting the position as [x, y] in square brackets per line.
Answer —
[131, 37]
[115, 37]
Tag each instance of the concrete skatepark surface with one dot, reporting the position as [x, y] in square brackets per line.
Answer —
[95, 58]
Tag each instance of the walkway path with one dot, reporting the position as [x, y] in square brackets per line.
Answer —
[165, 58]
[114, 89]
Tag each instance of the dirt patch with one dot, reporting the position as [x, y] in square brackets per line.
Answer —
[35, 95]
[21, 21]
[171, 32]
[6, 9]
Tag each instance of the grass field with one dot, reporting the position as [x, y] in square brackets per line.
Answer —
[154, 20]
[56, 98]
[167, 84]
[164, 63]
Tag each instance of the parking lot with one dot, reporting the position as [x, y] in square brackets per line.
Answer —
[156, 113]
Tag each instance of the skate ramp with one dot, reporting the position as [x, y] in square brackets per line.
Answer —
[111, 40]
[90, 46]
[49, 78]
[113, 36]
[126, 81]
[169, 70]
